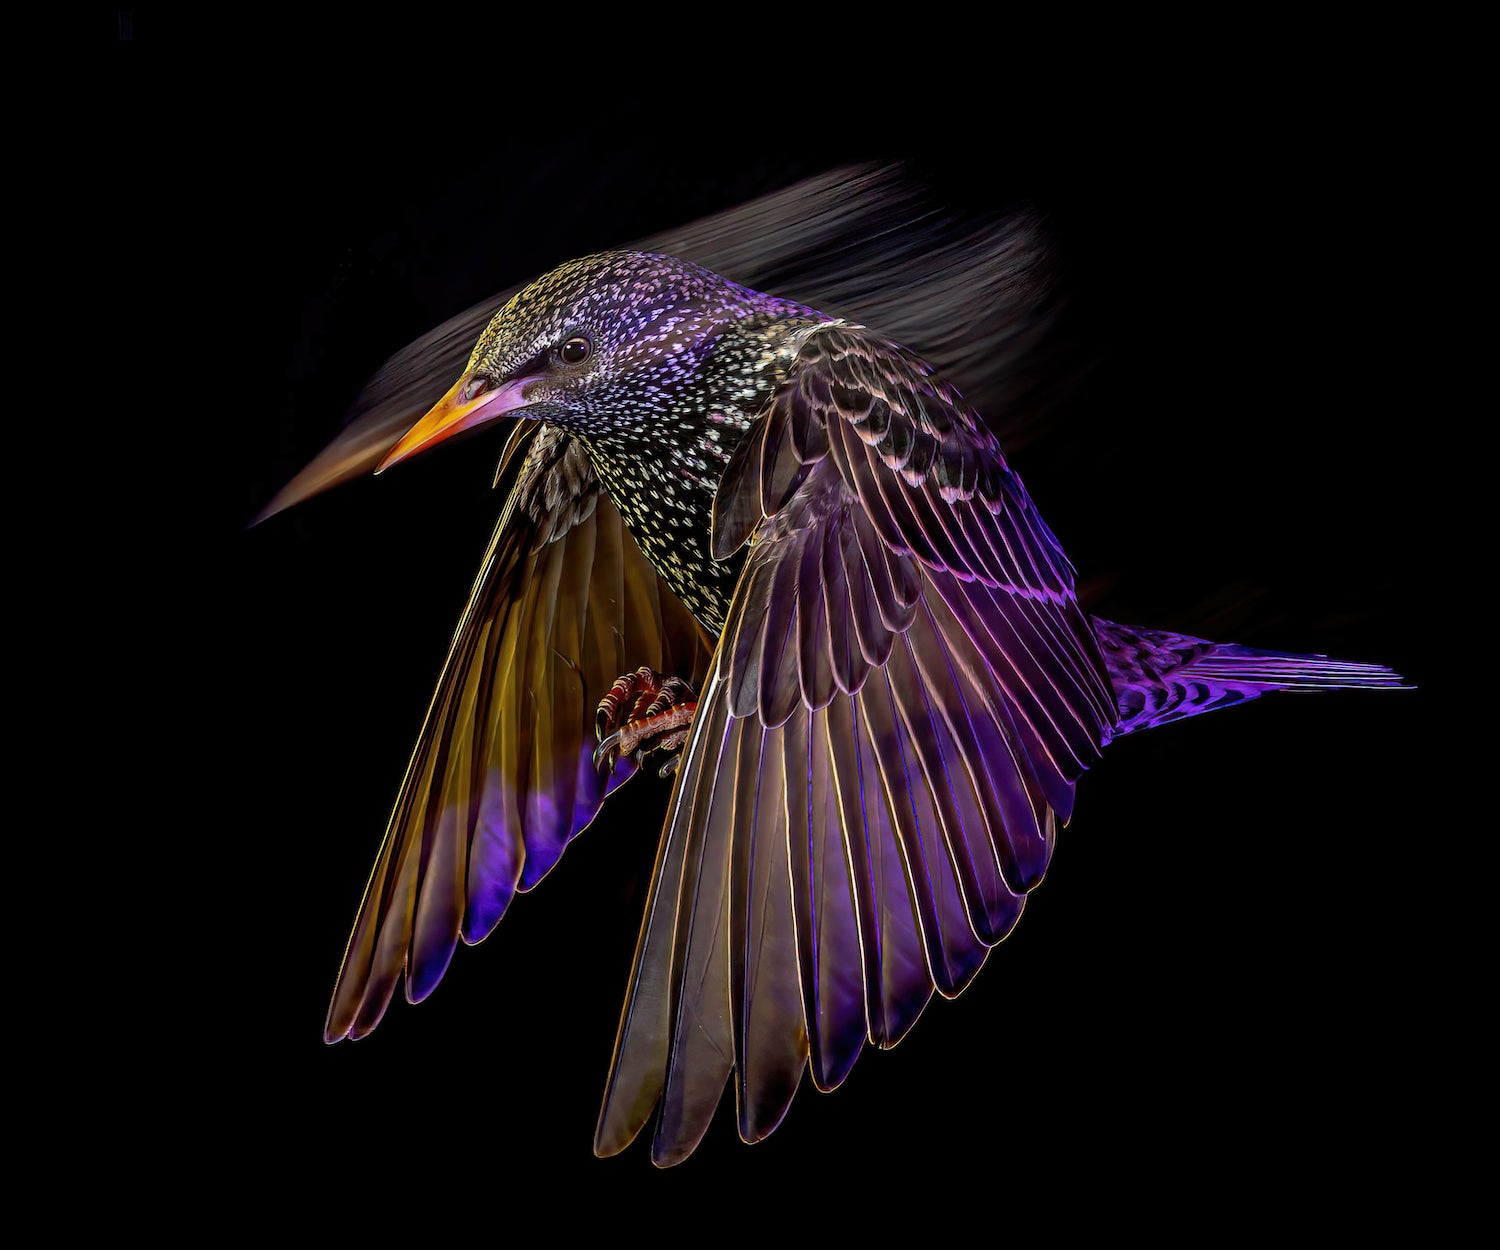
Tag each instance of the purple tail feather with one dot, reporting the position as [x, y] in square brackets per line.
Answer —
[1160, 676]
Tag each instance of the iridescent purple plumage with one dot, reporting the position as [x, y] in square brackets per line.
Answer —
[899, 688]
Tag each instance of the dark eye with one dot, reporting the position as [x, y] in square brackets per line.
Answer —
[575, 351]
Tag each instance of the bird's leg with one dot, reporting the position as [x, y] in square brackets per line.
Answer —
[643, 712]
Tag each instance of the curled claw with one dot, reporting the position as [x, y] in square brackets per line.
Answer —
[605, 754]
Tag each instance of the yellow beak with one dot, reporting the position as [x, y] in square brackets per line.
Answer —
[469, 404]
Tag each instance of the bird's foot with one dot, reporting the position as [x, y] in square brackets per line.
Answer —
[643, 712]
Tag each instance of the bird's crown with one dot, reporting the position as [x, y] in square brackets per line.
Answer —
[605, 313]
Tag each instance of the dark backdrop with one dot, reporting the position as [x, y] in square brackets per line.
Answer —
[1221, 947]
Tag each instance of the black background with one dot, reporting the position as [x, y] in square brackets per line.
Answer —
[1213, 988]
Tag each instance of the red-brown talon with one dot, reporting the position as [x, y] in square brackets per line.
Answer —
[639, 707]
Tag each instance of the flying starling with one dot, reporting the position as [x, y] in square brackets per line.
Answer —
[779, 552]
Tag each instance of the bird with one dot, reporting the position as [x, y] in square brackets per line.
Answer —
[780, 552]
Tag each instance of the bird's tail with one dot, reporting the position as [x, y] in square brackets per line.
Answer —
[1159, 676]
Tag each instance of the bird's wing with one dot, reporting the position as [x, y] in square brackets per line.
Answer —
[502, 776]
[904, 693]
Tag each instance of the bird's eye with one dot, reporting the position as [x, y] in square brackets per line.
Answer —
[575, 351]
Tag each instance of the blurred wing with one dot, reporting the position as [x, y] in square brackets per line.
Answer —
[904, 694]
[865, 240]
[502, 777]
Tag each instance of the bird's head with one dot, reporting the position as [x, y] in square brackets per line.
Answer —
[592, 343]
